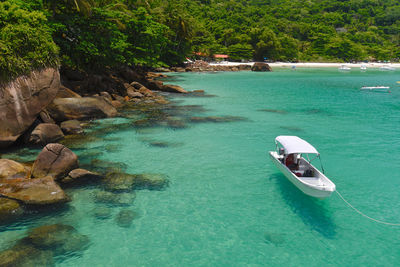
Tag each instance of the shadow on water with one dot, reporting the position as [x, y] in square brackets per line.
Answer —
[313, 212]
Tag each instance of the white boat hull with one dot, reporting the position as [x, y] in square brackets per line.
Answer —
[321, 187]
[382, 89]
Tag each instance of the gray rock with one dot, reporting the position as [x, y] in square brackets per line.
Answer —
[45, 117]
[62, 109]
[46, 133]
[260, 66]
[54, 160]
[39, 191]
[81, 175]
[71, 127]
[22, 99]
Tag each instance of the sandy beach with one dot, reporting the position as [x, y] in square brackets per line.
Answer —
[314, 65]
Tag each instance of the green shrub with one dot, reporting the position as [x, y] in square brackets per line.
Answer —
[25, 41]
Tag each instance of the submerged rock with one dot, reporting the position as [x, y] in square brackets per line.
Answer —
[102, 213]
[114, 198]
[9, 209]
[75, 141]
[273, 111]
[117, 181]
[81, 176]
[103, 166]
[23, 99]
[33, 191]
[46, 133]
[10, 168]
[216, 119]
[176, 123]
[151, 181]
[274, 238]
[125, 217]
[71, 127]
[26, 255]
[59, 238]
[54, 160]
[125, 182]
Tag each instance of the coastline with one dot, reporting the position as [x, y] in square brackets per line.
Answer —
[312, 64]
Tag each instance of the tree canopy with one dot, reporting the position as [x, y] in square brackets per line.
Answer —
[96, 34]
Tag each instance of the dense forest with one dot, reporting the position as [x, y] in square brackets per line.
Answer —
[95, 34]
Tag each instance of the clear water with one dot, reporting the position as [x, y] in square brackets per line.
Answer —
[227, 205]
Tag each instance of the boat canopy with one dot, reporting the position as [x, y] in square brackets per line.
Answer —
[294, 144]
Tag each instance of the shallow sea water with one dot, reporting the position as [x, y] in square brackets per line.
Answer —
[227, 204]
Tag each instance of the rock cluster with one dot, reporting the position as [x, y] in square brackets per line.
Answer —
[35, 109]
[200, 65]
[42, 244]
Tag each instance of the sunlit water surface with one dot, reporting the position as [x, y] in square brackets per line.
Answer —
[226, 204]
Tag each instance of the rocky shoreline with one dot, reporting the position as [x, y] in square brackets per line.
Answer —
[45, 111]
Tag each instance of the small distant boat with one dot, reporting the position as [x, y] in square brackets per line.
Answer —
[380, 88]
[387, 67]
[363, 67]
[344, 68]
[289, 160]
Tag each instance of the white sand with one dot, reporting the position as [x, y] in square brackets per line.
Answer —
[314, 65]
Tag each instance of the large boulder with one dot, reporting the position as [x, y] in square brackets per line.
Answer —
[38, 191]
[10, 168]
[62, 109]
[54, 160]
[22, 99]
[46, 133]
[260, 66]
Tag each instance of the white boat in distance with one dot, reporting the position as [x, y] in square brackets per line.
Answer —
[290, 161]
[380, 88]
[344, 68]
[387, 67]
[363, 67]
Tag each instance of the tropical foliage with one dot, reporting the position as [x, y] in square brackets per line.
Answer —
[98, 34]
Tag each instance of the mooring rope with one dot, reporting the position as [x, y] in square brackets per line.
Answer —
[366, 216]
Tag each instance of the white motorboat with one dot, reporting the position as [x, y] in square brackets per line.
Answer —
[380, 88]
[344, 68]
[363, 67]
[290, 161]
[387, 67]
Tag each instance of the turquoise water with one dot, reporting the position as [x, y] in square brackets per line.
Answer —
[226, 204]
